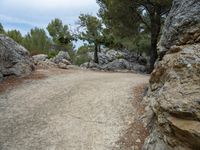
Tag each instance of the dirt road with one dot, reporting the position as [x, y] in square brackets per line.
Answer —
[72, 110]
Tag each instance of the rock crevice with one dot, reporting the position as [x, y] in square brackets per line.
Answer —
[174, 90]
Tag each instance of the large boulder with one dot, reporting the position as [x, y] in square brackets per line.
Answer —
[174, 91]
[60, 57]
[118, 64]
[106, 56]
[39, 58]
[14, 59]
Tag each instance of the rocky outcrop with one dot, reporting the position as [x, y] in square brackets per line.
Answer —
[60, 57]
[61, 60]
[174, 91]
[40, 57]
[182, 25]
[112, 60]
[14, 59]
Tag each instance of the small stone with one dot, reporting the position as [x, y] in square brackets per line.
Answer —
[138, 141]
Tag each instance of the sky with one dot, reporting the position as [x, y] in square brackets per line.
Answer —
[26, 14]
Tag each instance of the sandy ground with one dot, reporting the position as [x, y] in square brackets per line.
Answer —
[68, 110]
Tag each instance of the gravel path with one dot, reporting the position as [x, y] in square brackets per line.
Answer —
[72, 110]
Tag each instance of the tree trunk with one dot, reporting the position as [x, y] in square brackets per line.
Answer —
[96, 58]
[99, 48]
[155, 30]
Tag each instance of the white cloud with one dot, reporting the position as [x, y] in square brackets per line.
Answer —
[41, 11]
[48, 5]
[26, 14]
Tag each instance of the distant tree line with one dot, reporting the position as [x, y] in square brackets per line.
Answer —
[37, 41]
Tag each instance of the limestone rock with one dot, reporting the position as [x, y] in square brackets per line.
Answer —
[62, 66]
[118, 64]
[182, 25]
[14, 59]
[174, 90]
[47, 64]
[61, 56]
[116, 61]
[40, 57]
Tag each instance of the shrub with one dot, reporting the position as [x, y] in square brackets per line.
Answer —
[52, 54]
[81, 59]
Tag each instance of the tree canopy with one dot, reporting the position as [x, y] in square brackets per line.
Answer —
[15, 35]
[2, 31]
[90, 29]
[131, 17]
[60, 33]
[37, 41]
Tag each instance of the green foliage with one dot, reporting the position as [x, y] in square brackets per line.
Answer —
[52, 54]
[84, 49]
[16, 36]
[127, 19]
[91, 32]
[60, 33]
[2, 31]
[37, 41]
[92, 28]
[82, 54]
[81, 59]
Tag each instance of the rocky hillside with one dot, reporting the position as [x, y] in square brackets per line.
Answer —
[174, 91]
[14, 59]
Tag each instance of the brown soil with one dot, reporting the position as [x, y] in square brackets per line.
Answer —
[136, 129]
[13, 81]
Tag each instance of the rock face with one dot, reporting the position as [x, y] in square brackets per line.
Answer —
[113, 60]
[182, 25]
[14, 59]
[174, 91]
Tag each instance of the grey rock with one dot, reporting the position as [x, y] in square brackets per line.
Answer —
[47, 64]
[116, 61]
[40, 57]
[61, 55]
[174, 84]
[118, 64]
[66, 62]
[62, 66]
[113, 55]
[182, 25]
[14, 59]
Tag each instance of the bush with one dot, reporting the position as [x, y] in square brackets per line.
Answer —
[52, 54]
[81, 59]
